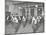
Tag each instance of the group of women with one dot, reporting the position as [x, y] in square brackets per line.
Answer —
[19, 19]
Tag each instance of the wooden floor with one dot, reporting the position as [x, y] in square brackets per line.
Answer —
[28, 28]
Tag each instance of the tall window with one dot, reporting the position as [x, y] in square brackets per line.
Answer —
[39, 11]
[32, 12]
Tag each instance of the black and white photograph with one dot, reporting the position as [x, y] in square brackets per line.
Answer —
[24, 17]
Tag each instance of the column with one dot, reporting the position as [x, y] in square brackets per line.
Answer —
[35, 12]
[29, 15]
[26, 12]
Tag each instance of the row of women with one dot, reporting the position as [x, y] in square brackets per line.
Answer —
[19, 19]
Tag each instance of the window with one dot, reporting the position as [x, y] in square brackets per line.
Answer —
[39, 11]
